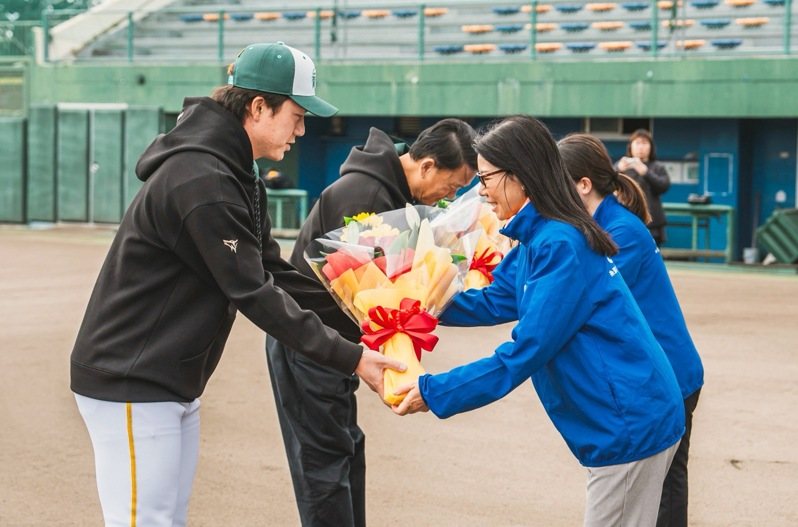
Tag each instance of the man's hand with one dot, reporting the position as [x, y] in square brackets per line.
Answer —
[412, 403]
[371, 366]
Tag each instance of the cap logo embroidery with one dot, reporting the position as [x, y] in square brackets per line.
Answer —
[313, 79]
[232, 244]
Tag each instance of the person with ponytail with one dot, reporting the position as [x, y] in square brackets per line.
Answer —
[580, 337]
[618, 205]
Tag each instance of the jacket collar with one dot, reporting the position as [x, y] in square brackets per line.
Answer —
[524, 224]
[607, 205]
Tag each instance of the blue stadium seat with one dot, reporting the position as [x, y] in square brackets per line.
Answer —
[295, 15]
[580, 47]
[448, 49]
[508, 10]
[726, 43]
[640, 25]
[241, 17]
[774, 3]
[191, 17]
[509, 28]
[715, 23]
[645, 45]
[704, 4]
[349, 14]
[512, 48]
[568, 8]
[405, 13]
[574, 27]
[635, 6]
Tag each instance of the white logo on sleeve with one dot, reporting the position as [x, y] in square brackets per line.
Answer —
[232, 244]
[613, 269]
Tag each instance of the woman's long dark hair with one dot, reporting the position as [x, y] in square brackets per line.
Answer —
[586, 156]
[523, 146]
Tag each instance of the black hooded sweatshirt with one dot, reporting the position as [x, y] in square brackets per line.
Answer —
[372, 180]
[184, 260]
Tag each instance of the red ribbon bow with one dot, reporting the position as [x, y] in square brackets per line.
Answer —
[482, 263]
[409, 319]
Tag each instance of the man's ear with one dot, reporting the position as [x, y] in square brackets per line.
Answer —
[257, 106]
[426, 165]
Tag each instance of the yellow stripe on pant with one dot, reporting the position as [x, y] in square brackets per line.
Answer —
[132, 448]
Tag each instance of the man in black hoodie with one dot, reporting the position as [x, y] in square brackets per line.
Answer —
[195, 247]
[317, 405]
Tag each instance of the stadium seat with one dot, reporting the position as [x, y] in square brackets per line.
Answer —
[635, 6]
[740, 3]
[615, 47]
[542, 27]
[324, 14]
[607, 26]
[568, 8]
[448, 49]
[752, 22]
[241, 17]
[191, 17]
[376, 13]
[601, 7]
[726, 43]
[668, 4]
[405, 13]
[774, 3]
[214, 17]
[640, 25]
[512, 49]
[506, 10]
[477, 29]
[678, 23]
[704, 4]
[349, 14]
[645, 45]
[267, 16]
[580, 47]
[574, 27]
[509, 28]
[542, 8]
[433, 12]
[295, 15]
[479, 49]
[715, 23]
[690, 44]
[548, 47]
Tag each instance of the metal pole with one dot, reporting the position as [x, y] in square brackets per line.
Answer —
[220, 45]
[654, 28]
[421, 19]
[787, 26]
[533, 30]
[317, 36]
[130, 36]
[46, 33]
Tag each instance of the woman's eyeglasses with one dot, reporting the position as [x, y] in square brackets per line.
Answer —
[483, 177]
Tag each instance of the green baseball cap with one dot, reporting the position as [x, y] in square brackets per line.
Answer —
[276, 68]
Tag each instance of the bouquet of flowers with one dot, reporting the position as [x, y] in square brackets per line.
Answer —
[394, 272]
[491, 245]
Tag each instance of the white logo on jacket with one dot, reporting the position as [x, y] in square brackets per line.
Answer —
[613, 269]
[233, 244]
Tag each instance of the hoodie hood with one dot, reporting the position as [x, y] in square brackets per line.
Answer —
[372, 160]
[202, 126]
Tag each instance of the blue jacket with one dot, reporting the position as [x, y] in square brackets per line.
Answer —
[643, 270]
[600, 374]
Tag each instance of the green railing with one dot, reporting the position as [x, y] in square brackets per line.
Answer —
[16, 38]
[332, 34]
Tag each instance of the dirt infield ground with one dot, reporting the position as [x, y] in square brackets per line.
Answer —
[503, 465]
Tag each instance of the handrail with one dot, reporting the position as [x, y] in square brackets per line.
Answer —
[429, 32]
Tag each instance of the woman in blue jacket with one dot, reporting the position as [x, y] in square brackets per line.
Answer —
[597, 368]
[643, 270]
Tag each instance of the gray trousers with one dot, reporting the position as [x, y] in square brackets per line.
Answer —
[317, 410]
[627, 495]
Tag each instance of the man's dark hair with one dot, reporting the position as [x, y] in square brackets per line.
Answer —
[236, 100]
[449, 142]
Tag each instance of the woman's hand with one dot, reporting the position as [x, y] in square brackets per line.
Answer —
[412, 403]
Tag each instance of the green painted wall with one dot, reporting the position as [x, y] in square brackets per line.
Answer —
[749, 87]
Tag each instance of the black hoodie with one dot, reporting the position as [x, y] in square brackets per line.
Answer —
[184, 260]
